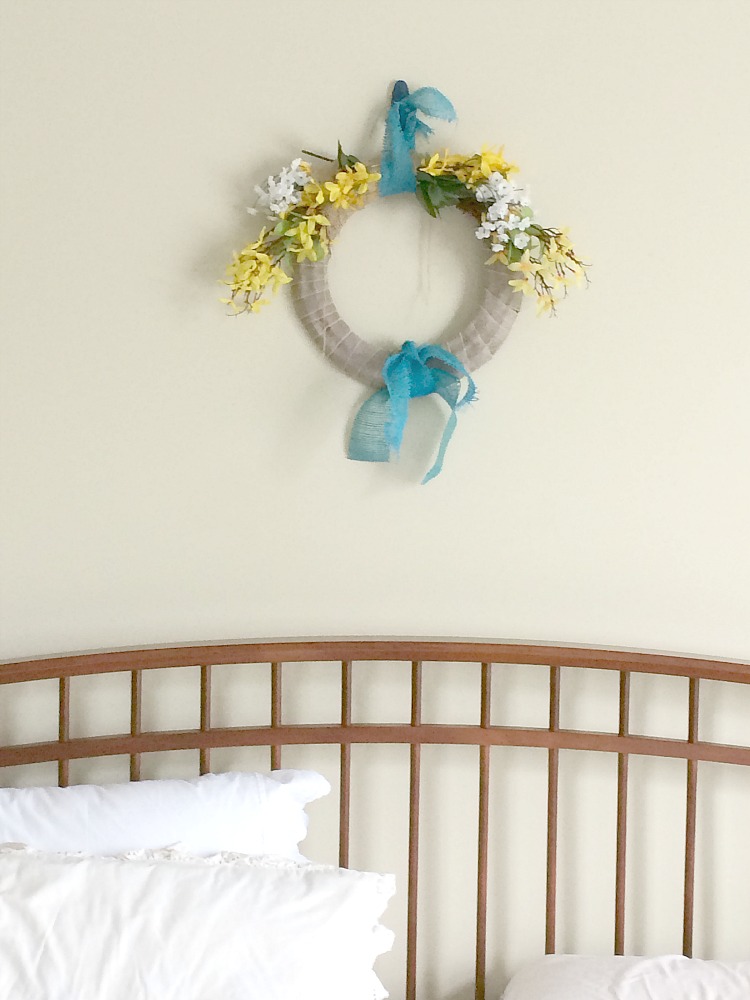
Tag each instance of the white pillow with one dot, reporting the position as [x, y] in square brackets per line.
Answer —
[167, 926]
[571, 977]
[244, 812]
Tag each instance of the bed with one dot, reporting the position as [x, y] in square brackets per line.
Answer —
[714, 892]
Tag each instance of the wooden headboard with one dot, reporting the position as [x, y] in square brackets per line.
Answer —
[483, 734]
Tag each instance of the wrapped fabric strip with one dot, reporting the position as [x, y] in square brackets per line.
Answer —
[401, 128]
[412, 372]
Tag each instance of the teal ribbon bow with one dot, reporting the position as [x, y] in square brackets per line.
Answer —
[401, 128]
[413, 371]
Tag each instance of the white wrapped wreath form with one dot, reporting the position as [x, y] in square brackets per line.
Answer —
[473, 346]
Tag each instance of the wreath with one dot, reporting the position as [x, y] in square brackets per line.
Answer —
[304, 214]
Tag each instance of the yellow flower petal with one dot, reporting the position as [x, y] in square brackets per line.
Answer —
[523, 285]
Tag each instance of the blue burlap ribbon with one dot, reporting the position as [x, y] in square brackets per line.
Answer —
[413, 371]
[401, 128]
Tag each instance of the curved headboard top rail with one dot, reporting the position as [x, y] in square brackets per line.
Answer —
[291, 651]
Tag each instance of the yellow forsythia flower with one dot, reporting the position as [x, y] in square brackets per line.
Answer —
[545, 303]
[491, 160]
[346, 190]
[435, 166]
[306, 234]
[526, 266]
[526, 285]
[312, 195]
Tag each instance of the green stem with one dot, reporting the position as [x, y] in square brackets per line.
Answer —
[318, 156]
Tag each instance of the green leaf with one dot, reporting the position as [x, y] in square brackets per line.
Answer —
[346, 159]
[423, 194]
[447, 182]
[444, 191]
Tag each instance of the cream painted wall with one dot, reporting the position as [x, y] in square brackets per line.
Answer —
[170, 474]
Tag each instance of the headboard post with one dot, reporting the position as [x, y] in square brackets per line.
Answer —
[622, 816]
[136, 693]
[552, 797]
[412, 880]
[63, 765]
[690, 821]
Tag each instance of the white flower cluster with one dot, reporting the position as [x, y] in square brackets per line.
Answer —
[283, 191]
[507, 216]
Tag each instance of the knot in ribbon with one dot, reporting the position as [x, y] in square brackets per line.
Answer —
[401, 128]
[413, 371]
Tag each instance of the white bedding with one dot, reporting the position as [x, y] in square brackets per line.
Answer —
[245, 812]
[164, 926]
[670, 977]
